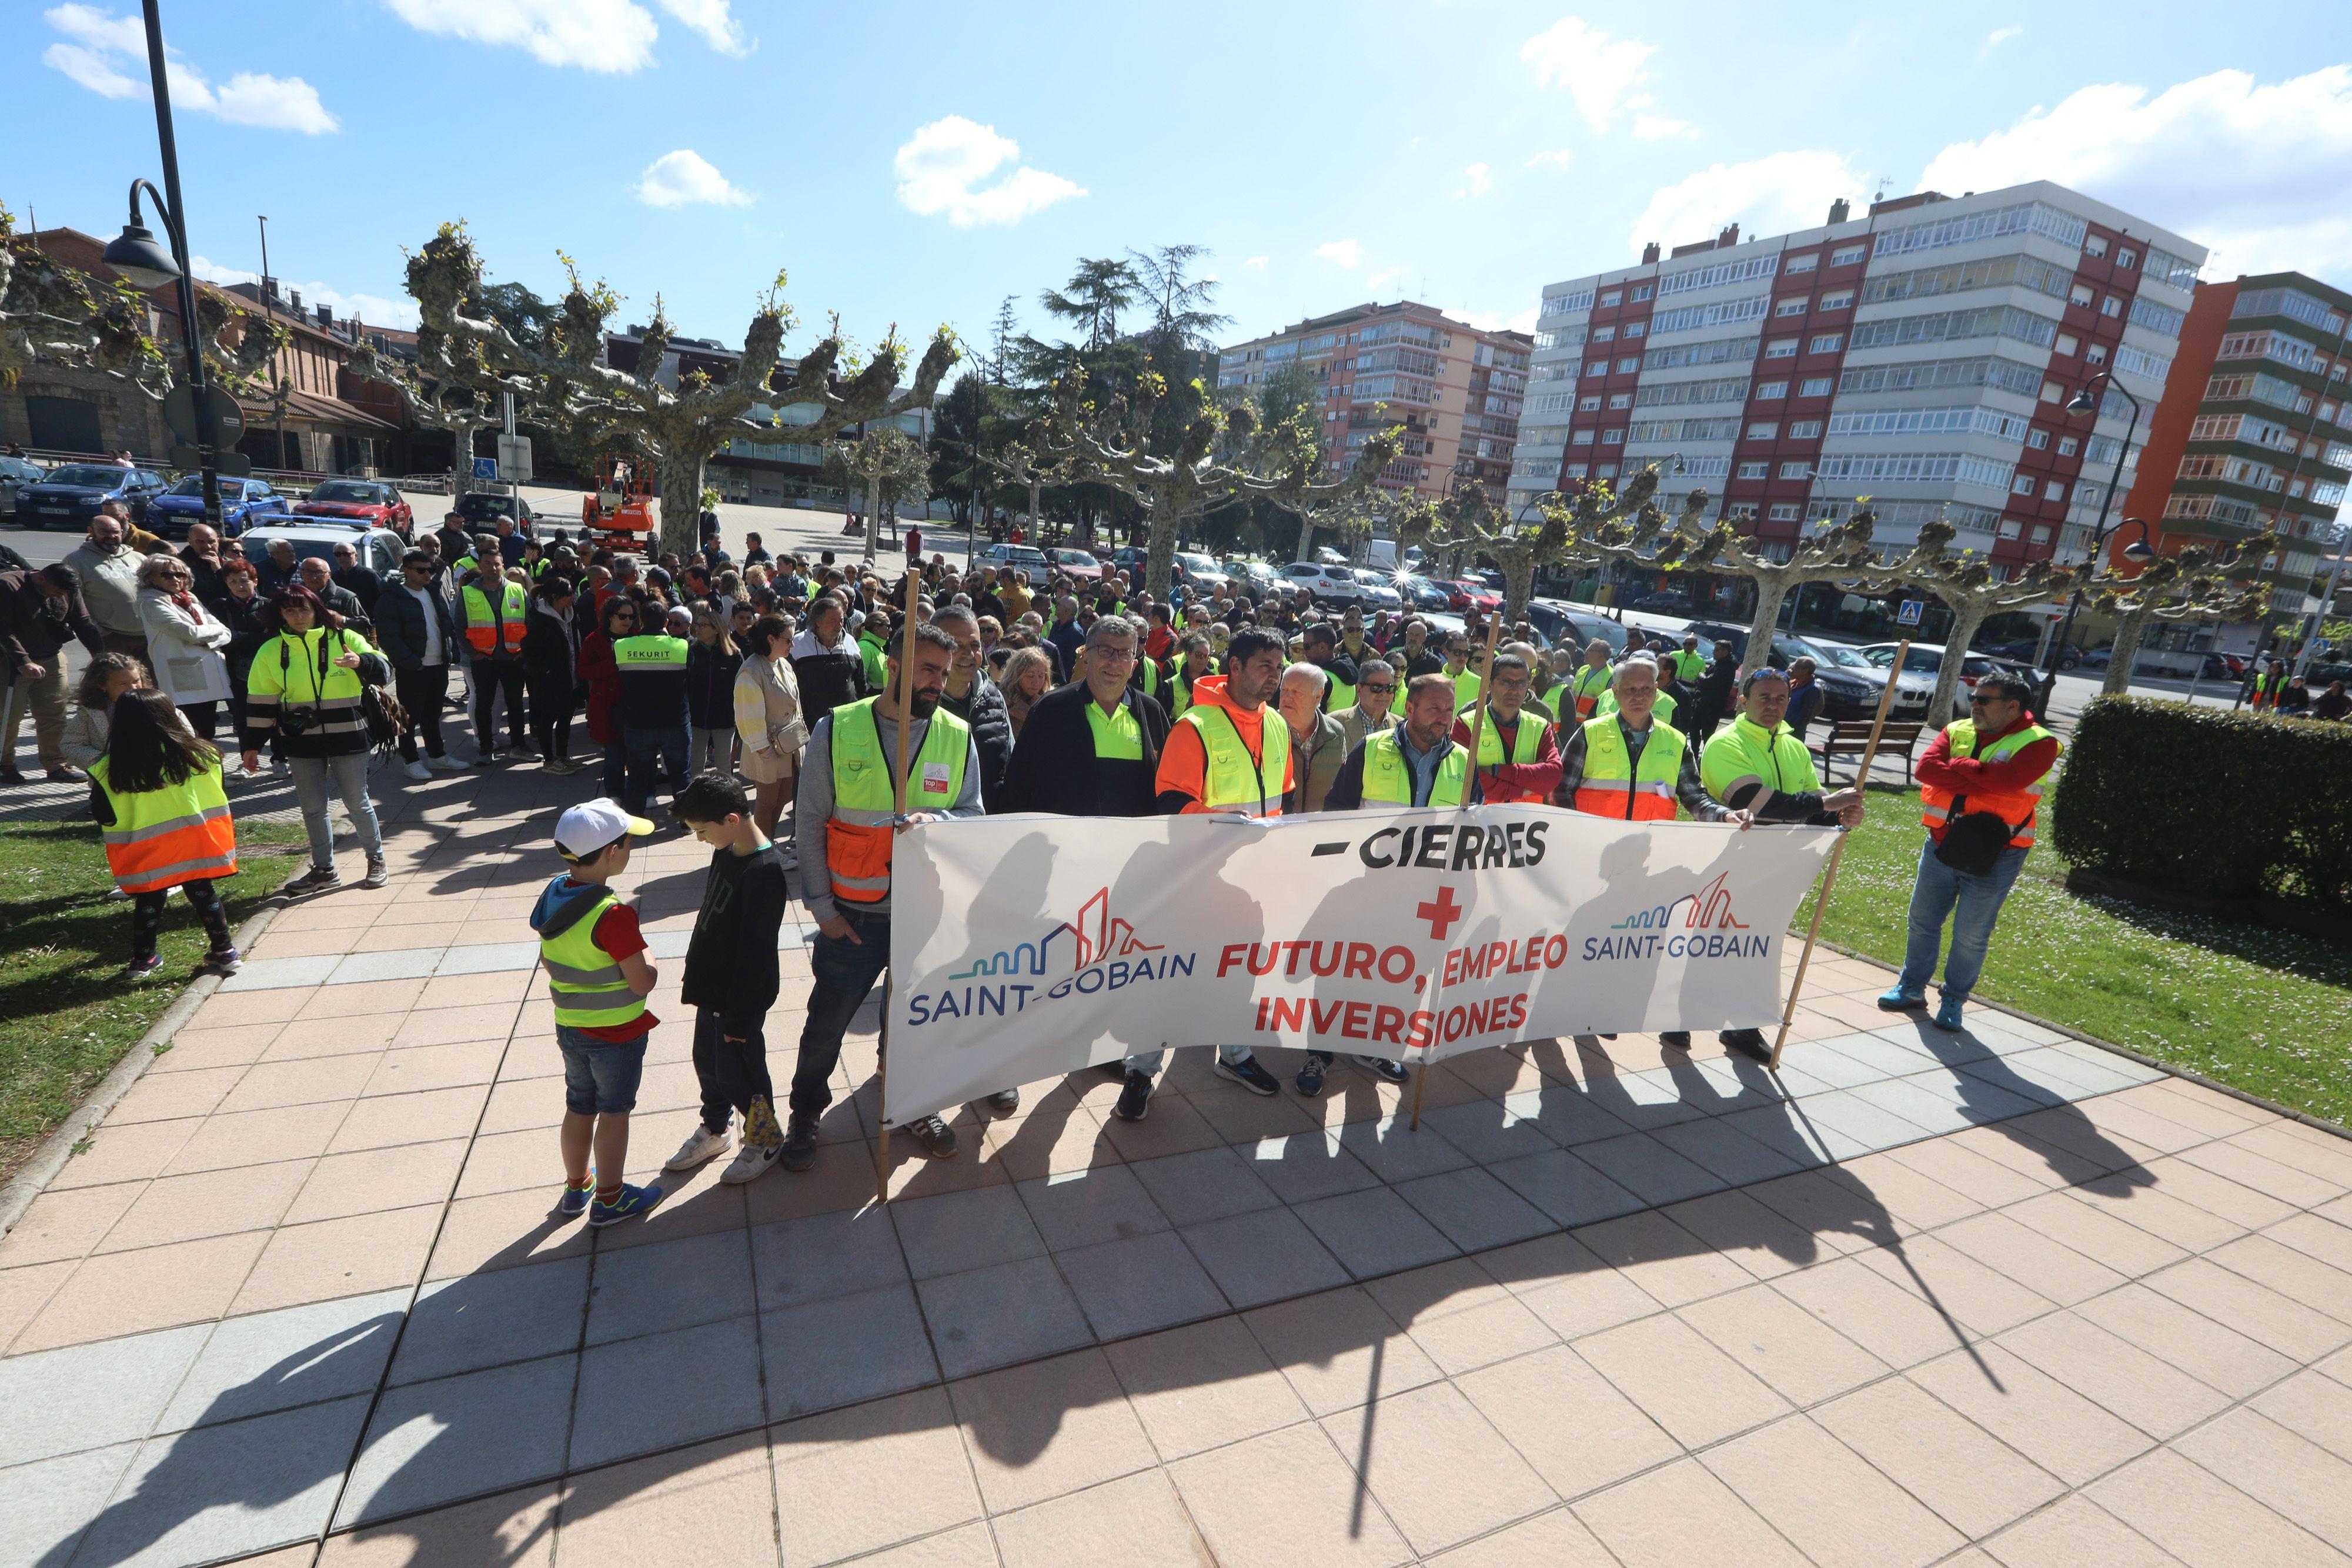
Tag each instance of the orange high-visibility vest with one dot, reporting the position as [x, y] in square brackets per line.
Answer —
[161, 838]
[484, 630]
[2016, 806]
[1614, 785]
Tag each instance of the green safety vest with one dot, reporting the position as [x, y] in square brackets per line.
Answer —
[872, 650]
[1689, 663]
[857, 836]
[1466, 691]
[584, 980]
[1389, 777]
[1589, 687]
[1524, 749]
[1183, 687]
[485, 628]
[1615, 786]
[650, 651]
[1339, 697]
[1745, 754]
[1236, 782]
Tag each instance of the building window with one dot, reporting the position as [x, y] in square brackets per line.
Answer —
[1597, 368]
[2068, 346]
[2080, 294]
[1577, 470]
[2095, 246]
[1796, 470]
[1847, 254]
[1613, 296]
[1829, 343]
[1764, 429]
[2126, 258]
[2098, 354]
[1604, 334]
[1780, 349]
[1606, 471]
[1627, 367]
[1642, 291]
[1837, 300]
[1636, 328]
[1815, 386]
[1772, 389]
[2042, 533]
[1790, 306]
[2021, 485]
[2038, 439]
[1754, 470]
[1589, 403]
[2008, 528]
[2111, 306]
[1580, 438]
[2068, 445]
[2054, 490]
[1620, 400]
[1805, 263]
[1612, 438]
[1745, 512]
[2052, 392]
[1804, 428]
[1785, 511]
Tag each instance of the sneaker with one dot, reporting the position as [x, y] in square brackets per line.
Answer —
[1310, 1080]
[444, 764]
[562, 767]
[1135, 1100]
[378, 874]
[799, 1149]
[1947, 1014]
[117, 895]
[140, 969]
[933, 1136]
[1747, 1042]
[11, 776]
[486, 759]
[418, 771]
[634, 1203]
[318, 879]
[1899, 1000]
[1382, 1068]
[1003, 1103]
[526, 749]
[67, 773]
[700, 1145]
[753, 1162]
[576, 1199]
[223, 964]
[1249, 1075]
[1676, 1039]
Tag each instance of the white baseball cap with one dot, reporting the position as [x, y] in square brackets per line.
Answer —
[588, 827]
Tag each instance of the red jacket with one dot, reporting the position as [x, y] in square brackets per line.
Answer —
[1967, 776]
[1538, 778]
[602, 676]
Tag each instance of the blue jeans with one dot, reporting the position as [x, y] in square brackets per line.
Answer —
[600, 1076]
[654, 755]
[1935, 896]
[845, 972]
[348, 775]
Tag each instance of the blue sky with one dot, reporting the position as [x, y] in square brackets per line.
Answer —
[917, 162]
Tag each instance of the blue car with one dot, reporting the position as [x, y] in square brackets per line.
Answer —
[71, 494]
[243, 503]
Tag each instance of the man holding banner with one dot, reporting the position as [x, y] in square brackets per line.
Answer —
[845, 820]
[1518, 762]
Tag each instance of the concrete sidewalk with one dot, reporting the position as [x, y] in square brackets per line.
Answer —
[1993, 1298]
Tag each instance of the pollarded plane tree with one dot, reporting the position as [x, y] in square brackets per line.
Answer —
[436, 402]
[1468, 524]
[680, 427]
[2200, 584]
[1966, 585]
[1020, 462]
[887, 464]
[52, 314]
[1220, 455]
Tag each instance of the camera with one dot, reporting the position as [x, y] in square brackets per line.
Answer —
[297, 720]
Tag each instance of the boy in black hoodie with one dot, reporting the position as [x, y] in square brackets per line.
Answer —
[731, 978]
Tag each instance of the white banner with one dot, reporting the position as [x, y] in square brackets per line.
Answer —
[1026, 947]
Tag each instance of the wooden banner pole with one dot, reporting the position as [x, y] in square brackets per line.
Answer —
[1837, 852]
[904, 696]
[1477, 727]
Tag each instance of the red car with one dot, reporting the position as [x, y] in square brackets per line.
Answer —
[1466, 595]
[369, 501]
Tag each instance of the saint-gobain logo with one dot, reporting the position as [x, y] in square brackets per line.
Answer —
[1695, 925]
[1102, 950]
[1708, 909]
[1094, 935]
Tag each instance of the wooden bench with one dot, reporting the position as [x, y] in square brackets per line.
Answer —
[1850, 737]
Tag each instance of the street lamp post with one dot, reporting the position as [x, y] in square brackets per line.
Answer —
[2083, 402]
[138, 259]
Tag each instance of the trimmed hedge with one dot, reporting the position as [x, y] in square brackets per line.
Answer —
[2207, 802]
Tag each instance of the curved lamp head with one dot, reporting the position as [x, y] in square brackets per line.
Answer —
[2081, 402]
[135, 255]
[2139, 549]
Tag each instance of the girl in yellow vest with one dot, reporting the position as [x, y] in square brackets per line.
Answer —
[159, 799]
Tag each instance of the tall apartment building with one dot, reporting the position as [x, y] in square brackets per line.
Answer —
[1921, 355]
[1455, 387]
[2255, 429]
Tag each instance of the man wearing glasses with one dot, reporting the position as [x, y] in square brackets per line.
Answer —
[1981, 784]
[1518, 760]
[1376, 689]
[418, 633]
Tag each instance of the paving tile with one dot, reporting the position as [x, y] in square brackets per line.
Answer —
[1557, 1540]
[888, 1471]
[1836, 1510]
[1080, 1210]
[2210, 1352]
[2263, 1174]
[513, 1530]
[1648, 1169]
[2291, 1272]
[324, 1079]
[1324, 1520]
[2159, 1214]
[1394, 1151]
[2200, 1519]
[660, 1391]
[1978, 1296]
[227, 1490]
[53, 1502]
[2048, 1422]
[1172, 1127]
[1203, 1385]
[277, 1361]
[1695, 1391]
[1141, 1513]
[1564, 1188]
[1206, 1185]
[961, 1230]
[370, 1180]
[1487, 1131]
[2305, 1147]
[669, 1285]
[1374, 1232]
[189, 1207]
[112, 1154]
[1304, 1166]
[1438, 1467]
[825, 1255]
[24, 1291]
[1728, 1152]
[1681, 1516]
[64, 1225]
[1048, 1428]
[2252, 1308]
[384, 1121]
[1566, 1420]
[2311, 1403]
[1671, 1265]
[118, 1294]
[92, 1395]
[1263, 1256]
[2327, 1240]
[968, 1546]
[712, 1506]
[1801, 1357]
[1474, 1210]
[1760, 1240]
[2143, 1389]
[995, 1316]
[844, 1349]
[1457, 1313]
[488, 1320]
[1970, 1478]
[1139, 1284]
[415, 1068]
[463, 1436]
[2072, 1532]
[1339, 1350]
[1566, 1115]
[2216, 1194]
[1847, 1124]
[2274, 1465]
[332, 1257]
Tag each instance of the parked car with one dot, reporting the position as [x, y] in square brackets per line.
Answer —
[15, 474]
[1021, 558]
[1464, 594]
[1081, 565]
[1929, 662]
[380, 550]
[1420, 593]
[480, 507]
[369, 501]
[243, 503]
[69, 495]
[1256, 576]
[1851, 683]
[1324, 583]
[1379, 589]
[1574, 625]
[1198, 573]
[1663, 604]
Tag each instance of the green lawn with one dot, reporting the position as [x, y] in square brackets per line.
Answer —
[65, 1014]
[2265, 1011]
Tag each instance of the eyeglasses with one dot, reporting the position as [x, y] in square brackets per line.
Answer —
[1378, 690]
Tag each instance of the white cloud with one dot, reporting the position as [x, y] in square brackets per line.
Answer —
[1257, 263]
[942, 164]
[605, 36]
[715, 21]
[374, 309]
[1477, 181]
[108, 55]
[1605, 75]
[2261, 172]
[1663, 128]
[1998, 37]
[1765, 195]
[685, 178]
[1347, 253]
[1557, 158]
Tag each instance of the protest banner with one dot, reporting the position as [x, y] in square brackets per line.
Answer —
[1027, 947]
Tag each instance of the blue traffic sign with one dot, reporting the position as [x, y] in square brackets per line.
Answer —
[1907, 612]
[485, 468]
